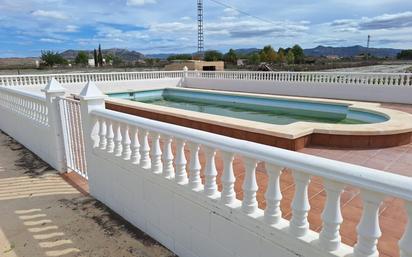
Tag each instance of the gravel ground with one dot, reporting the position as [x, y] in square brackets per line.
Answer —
[42, 215]
[396, 68]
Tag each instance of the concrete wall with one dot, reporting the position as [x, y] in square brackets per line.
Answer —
[390, 94]
[194, 65]
[34, 136]
[182, 220]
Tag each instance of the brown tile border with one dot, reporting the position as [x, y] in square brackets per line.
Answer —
[343, 141]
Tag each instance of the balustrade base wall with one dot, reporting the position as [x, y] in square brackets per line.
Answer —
[378, 93]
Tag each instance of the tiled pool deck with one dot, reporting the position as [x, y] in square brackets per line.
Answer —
[392, 214]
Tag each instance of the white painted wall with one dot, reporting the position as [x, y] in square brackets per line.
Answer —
[378, 93]
[183, 220]
[32, 135]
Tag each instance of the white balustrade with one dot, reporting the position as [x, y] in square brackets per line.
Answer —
[102, 134]
[332, 218]
[126, 150]
[210, 186]
[156, 154]
[168, 170]
[117, 139]
[144, 149]
[368, 229]
[273, 195]
[135, 146]
[195, 182]
[180, 163]
[373, 184]
[228, 195]
[299, 224]
[250, 187]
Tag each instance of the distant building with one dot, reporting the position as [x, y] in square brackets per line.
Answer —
[332, 57]
[241, 62]
[91, 62]
[196, 65]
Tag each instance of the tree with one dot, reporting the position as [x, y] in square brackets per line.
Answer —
[298, 54]
[230, 57]
[51, 58]
[213, 55]
[100, 57]
[268, 54]
[405, 55]
[183, 57]
[109, 59]
[96, 62]
[281, 58]
[290, 58]
[82, 58]
[254, 58]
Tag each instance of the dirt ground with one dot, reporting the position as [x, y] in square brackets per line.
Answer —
[42, 215]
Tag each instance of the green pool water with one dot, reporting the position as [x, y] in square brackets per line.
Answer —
[272, 116]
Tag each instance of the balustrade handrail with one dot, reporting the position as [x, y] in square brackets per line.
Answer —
[362, 177]
[26, 94]
[305, 72]
[85, 74]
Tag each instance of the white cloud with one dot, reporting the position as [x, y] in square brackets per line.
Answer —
[140, 2]
[71, 28]
[49, 14]
[51, 40]
[385, 21]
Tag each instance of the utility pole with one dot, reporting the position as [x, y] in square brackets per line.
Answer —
[367, 47]
[200, 37]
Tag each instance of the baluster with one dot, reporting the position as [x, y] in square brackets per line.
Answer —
[127, 152]
[195, 182]
[135, 156]
[156, 154]
[102, 133]
[250, 187]
[144, 149]
[405, 243]
[299, 224]
[117, 139]
[168, 169]
[329, 237]
[210, 172]
[180, 163]
[228, 195]
[273, 195]
[110, 137]
[368, 228]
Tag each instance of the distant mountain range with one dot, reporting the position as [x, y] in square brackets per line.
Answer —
[350, 51]
[318, 51]
[124, 54]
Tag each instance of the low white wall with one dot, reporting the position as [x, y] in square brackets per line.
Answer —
[389, 94]
[180, 219]
[113, 86]
[34, 136]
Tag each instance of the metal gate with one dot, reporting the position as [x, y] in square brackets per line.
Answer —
[73, 135]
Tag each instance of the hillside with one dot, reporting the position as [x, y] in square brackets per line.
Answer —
[124, 54]
[351, 51]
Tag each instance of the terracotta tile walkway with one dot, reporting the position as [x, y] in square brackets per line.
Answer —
[392, 214]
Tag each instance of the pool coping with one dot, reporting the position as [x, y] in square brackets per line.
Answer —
[399, 122]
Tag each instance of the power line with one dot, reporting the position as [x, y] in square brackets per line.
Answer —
[242, 12]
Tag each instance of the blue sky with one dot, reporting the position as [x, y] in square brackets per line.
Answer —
[169, 26]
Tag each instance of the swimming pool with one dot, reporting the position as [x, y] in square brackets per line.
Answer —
[282, 121]
[260, 109]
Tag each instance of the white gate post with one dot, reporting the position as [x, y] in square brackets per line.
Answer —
[91, 98]
[53, 90]
[185, 74]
